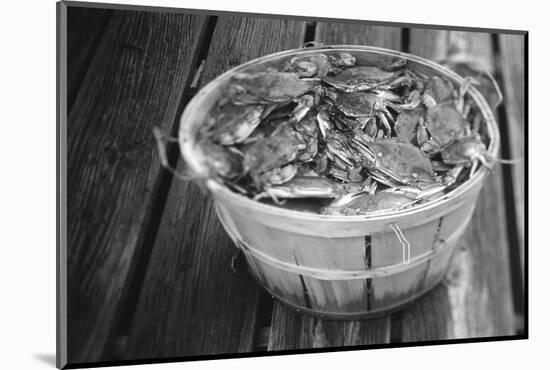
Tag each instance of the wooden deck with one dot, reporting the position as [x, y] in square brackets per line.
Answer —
[149, 265]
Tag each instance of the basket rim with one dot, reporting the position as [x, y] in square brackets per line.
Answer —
[186, 141]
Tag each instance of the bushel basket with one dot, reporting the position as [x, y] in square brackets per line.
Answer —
[341, 266]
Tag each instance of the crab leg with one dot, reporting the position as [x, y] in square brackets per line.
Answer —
[386, 124]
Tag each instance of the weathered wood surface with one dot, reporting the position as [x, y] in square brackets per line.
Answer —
[475, 299]
[85, 28]
[290, 330]
[358, 34]
[512, 49]
[134, 82]
[192, 302]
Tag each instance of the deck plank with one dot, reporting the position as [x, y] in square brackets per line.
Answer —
[512, 63]
[134, 82]
[85, 28]
[292, 330]
[358, 34]
[475, 299]
[193, 303]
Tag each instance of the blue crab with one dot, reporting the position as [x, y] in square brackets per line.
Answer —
[366, 200]
[231, 124]
[319, 65]
[367, 105]
[361, 78]
[269, 87]
[395, 162]
[302, 187]
[406, 125]
[445, 118]
[220, 161]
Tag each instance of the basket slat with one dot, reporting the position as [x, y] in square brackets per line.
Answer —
[391, 290]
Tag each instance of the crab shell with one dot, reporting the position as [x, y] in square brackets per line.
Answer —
[445, 123]
[279, 175]
[303, 187]
[356, 104]
[350, 174]
[359, 78]
[338, 145]
[232, 124]
[219, 160]
[399, 161]
[310, 132]
[464, 151]
[406, 125]
[272, 152]
[365, 203]
[439, 89]
[268, 87]
[342, 59]
[308, 66]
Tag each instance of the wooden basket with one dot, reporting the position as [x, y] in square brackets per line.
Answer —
[341, 266]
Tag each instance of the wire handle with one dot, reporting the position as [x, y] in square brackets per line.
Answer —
[311, 44]
[500, 97]
[161, 144]
[404, 243]
[474, 66]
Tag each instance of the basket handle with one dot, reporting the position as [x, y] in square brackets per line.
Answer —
[404, 243]
[467, 60]
[161, 140]
[500, 97]
[311, 44]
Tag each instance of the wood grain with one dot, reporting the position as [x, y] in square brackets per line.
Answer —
[135, 81]
[291, 330]
[512, 51]
[358, 34]
[476, 298]
[193, 303]
[85, 27]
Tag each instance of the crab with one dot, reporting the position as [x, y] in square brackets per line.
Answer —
[279, 175]
[467, 151]
[364, 202]
[319, 65]
[346, 173]
[341, 121]
[231, 124]
[366, 105]
[269, 87]
[309, 130]
[439, 90]
[341, 59]
[446, 119]
[304, 104]
[444, 123]
[219, 160]
[302, 187]
[470, 151]
[406, 125]
[285, 145]
[367, 200]
[337, 143]
[393, 161]
[270, 153]
[361, 78]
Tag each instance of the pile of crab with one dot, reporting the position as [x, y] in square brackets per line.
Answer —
[345, 138]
